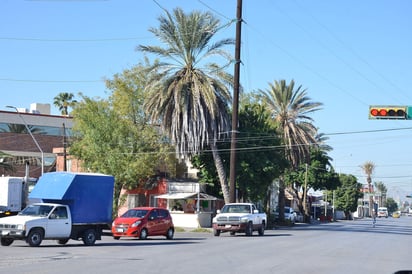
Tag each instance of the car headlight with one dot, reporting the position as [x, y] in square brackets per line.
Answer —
[137, 223]
[20, 227]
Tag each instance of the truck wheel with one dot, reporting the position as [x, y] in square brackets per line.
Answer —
[6, 241]
[143, 234]
[169, 234]
[89, 237]
[232, 233]
[116, 237]
[35, 237]
[261, 230]
[249, 229]
[216, 232]
[62, 241]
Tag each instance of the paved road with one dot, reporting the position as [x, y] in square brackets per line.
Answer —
[340, 247]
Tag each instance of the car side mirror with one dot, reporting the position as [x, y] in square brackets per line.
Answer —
[255, 211]
[218, 211]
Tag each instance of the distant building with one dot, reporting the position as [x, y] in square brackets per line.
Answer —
[21, 150]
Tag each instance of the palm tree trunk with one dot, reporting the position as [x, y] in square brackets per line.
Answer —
[221, 173]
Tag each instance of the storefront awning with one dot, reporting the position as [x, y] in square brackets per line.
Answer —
[186, 195]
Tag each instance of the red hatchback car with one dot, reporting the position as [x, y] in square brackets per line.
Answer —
[142, 222]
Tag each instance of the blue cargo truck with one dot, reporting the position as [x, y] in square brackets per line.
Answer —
[63, 206]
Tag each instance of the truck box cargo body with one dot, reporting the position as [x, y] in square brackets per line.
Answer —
[11, 195]
[63, 206]
[89, 196]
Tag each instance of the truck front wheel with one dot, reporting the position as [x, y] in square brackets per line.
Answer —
[6, 241]
[249, 229]
[216, 232]
[89, 237]
[35, 237]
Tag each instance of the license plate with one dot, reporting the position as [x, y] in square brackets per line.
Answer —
[228, 226]
[120, 230]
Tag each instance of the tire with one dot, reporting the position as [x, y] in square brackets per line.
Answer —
[232, 233]
[216, 232]
[6, 241]
[89, 237]
[62, 241]
[170, 233]
[143, 234]
[116, 237]
[261, 230]
[35, 237]
[249, 229]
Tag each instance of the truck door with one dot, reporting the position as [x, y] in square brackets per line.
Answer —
[59, 224]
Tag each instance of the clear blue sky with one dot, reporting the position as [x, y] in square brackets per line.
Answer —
[347, 54]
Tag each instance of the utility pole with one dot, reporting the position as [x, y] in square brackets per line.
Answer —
[64, 148]
[235, 105]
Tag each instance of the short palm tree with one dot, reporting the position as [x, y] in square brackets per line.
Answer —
[289, 108]
[188, 95]
[63, 101]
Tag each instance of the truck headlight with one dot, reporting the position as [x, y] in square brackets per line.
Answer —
[244, 220]
[20, 227]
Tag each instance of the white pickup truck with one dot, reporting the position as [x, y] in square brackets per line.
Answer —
[239, 217]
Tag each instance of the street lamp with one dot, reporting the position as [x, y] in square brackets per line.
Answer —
[34, 139]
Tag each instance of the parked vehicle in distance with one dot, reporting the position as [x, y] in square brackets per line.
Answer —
[382, 212]
[239, 217]
[141, 222]
[290, 214]
[396, 214]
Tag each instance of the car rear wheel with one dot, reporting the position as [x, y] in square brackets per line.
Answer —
[216, 232]
[143, 234]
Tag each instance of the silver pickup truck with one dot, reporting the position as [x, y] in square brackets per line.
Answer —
[239, 217]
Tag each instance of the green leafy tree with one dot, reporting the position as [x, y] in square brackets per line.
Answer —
[348, 194]
[189, 94]
[290, 107]
[63, 101]
[107, 140]
[392, 205]
[318, 174]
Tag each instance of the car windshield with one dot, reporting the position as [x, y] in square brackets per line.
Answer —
[135, 213]
[36, 210]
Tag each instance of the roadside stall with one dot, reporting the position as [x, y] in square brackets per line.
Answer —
[190, 209]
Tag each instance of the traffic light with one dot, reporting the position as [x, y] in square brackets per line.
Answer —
[388, 112]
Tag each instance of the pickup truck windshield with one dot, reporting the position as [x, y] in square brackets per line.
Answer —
[36, 210]
[236, 209]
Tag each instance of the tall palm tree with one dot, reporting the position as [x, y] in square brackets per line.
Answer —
[63, 101]
[289, 108]
[369, 167]
[189, 95]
